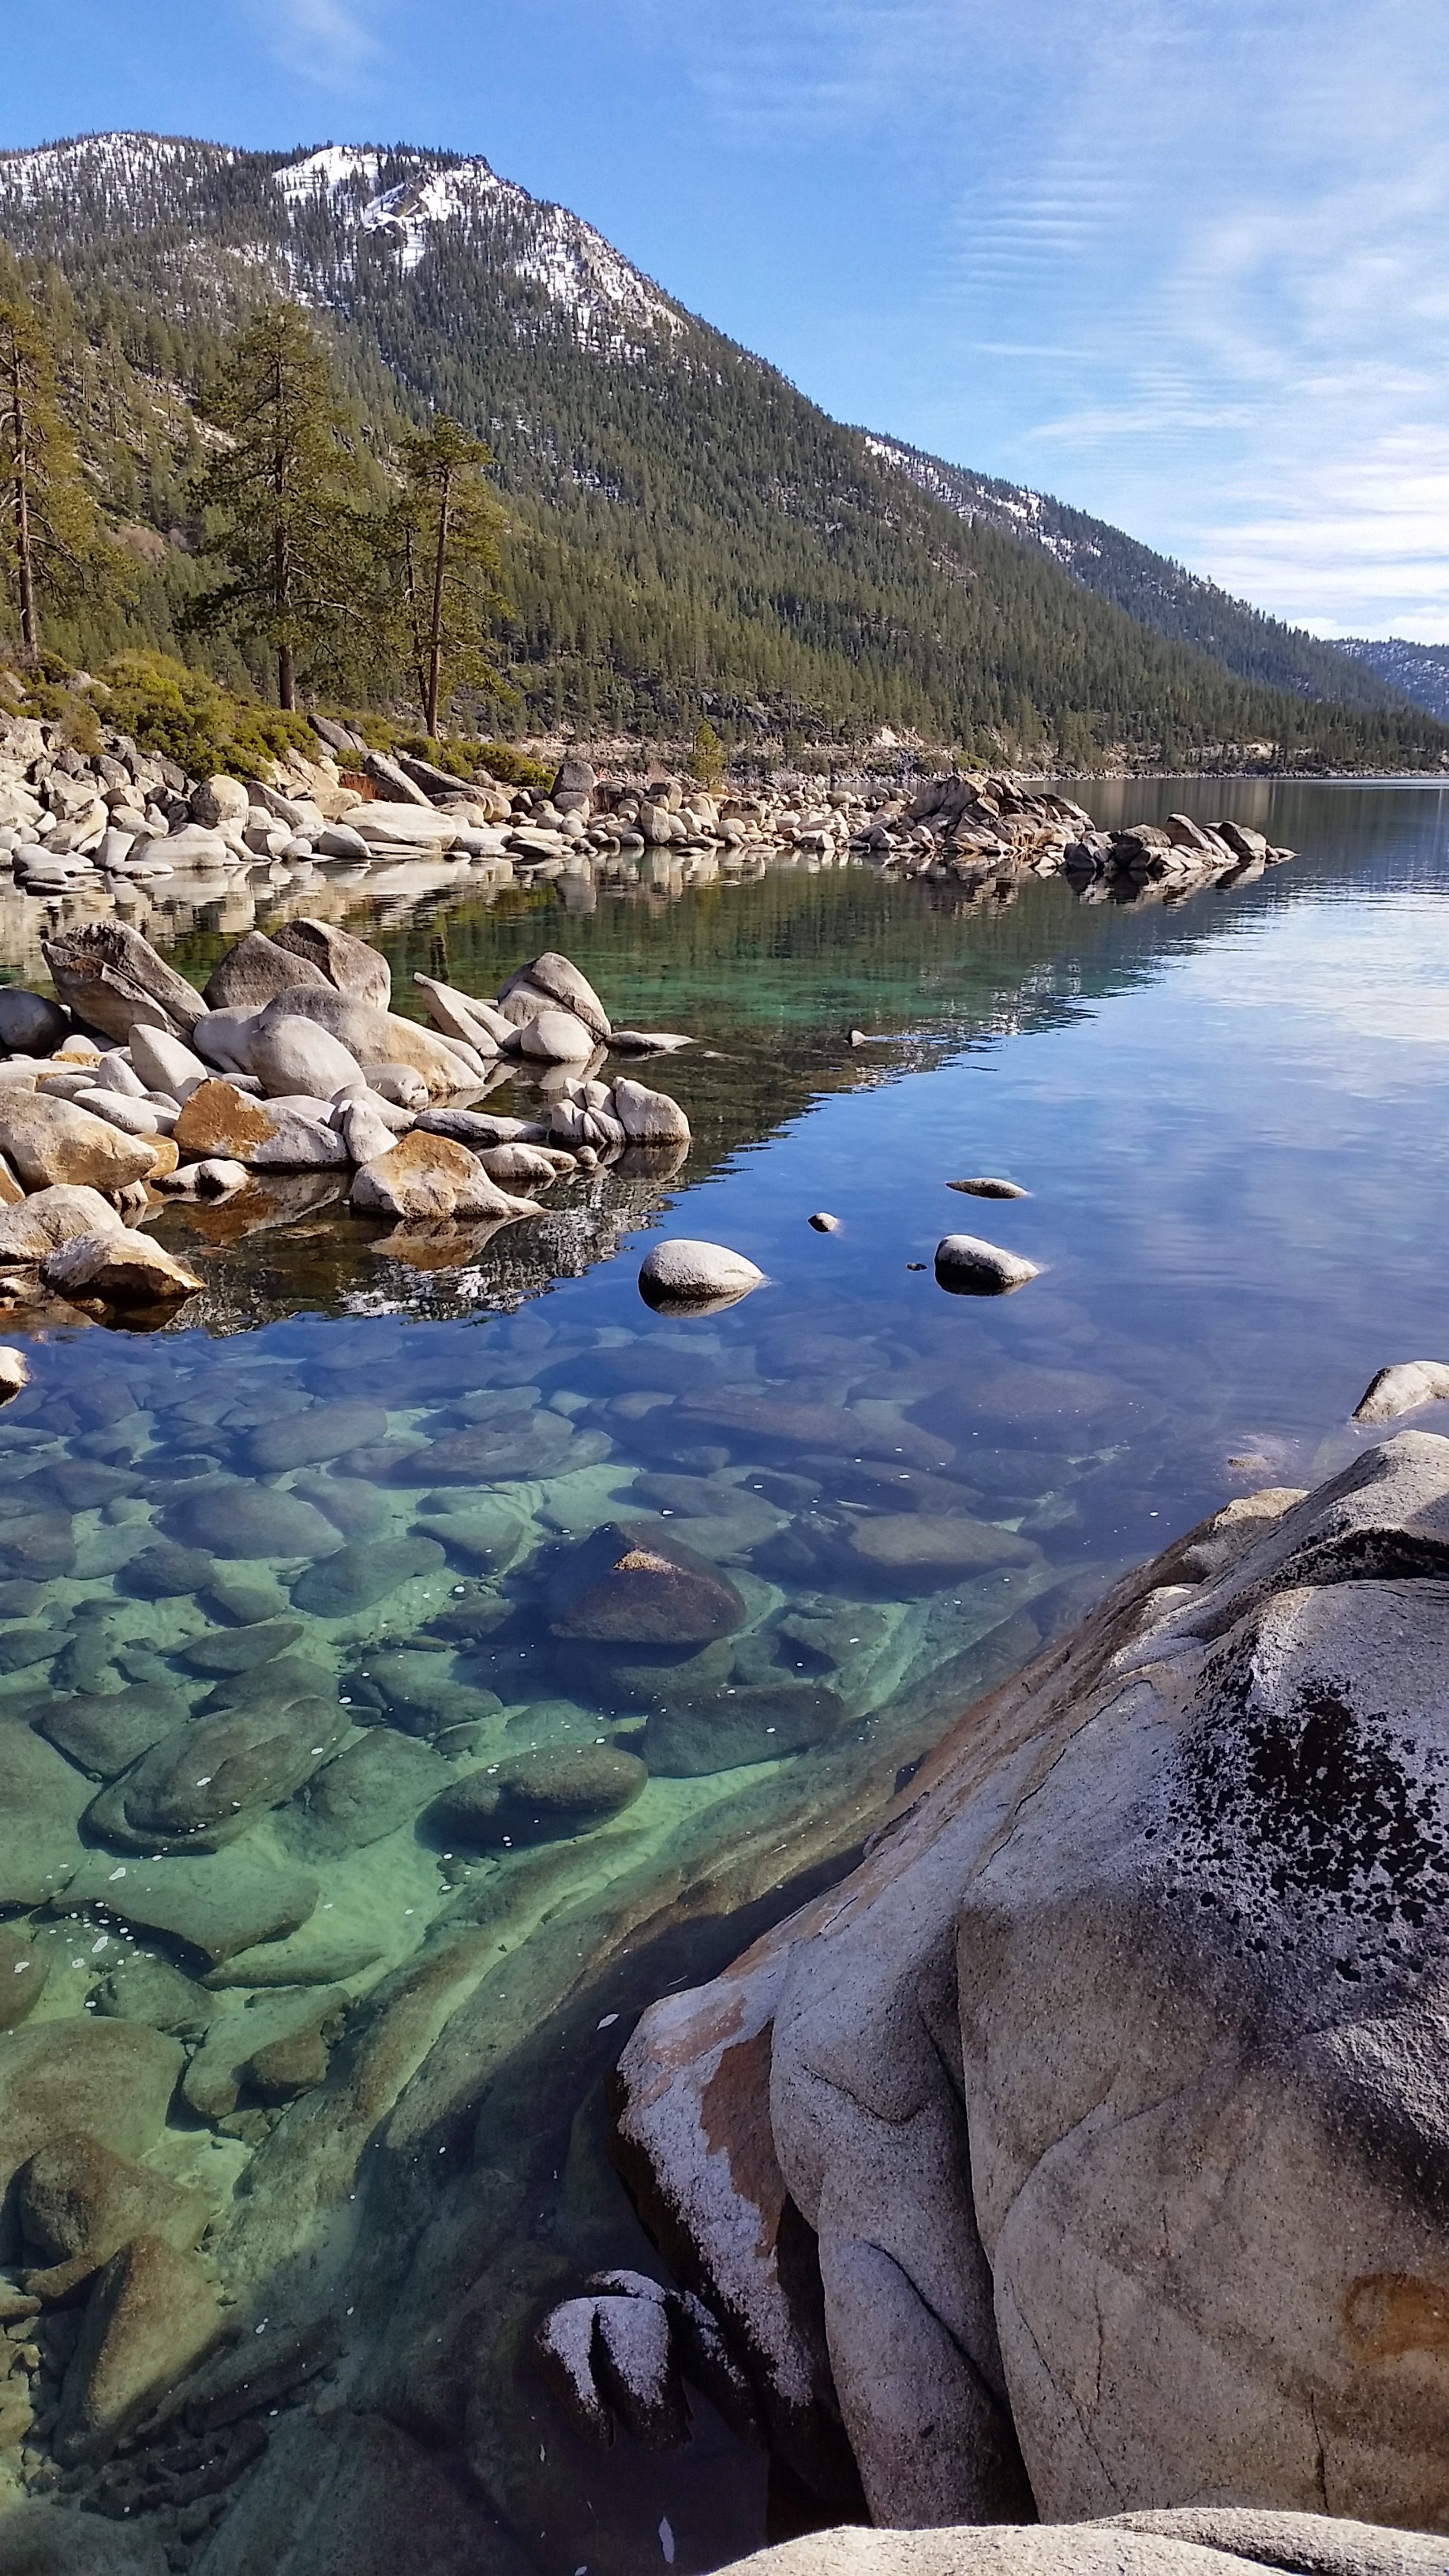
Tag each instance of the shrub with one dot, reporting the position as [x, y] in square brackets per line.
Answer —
[183, 715]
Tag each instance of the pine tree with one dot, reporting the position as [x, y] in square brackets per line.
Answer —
[50, 528]
[286, 493]
[445, 529]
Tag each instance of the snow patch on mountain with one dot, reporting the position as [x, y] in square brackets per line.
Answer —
[113, 161]
[324, 173]
[577, 269]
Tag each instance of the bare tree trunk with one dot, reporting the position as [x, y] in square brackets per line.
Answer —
[435, 638]
[24, 553]
[286, 680]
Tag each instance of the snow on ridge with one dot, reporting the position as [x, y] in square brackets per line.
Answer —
[576, 267]
[45, 169]
[323, 173]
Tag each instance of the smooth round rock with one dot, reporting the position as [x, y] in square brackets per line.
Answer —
[236, 1519]
[684, 1276]
[356, 1576]
[968, 1267]
[540, 1797]
[989, 1189]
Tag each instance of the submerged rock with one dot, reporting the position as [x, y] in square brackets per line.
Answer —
[151, 2315]
[1402, 1389]
[212, 1907]
[369, 1791]
[356, 1576]
[232, 1518]
[239, 2044]
[201, 1785]
[547, 1796]
[638, 1584]
[111, 2080]
[142, 1988]
[929, 1548]
[105, 1735]
[24, 1967]
[687, 1737]
[317, 1432]
[79, 2203]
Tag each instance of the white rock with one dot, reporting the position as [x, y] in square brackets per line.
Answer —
[291, 1054]
[117, 1073]
[133, 1117]
[224, 1040]
[1402, 1388]
[401, 826]
[219, 800]
[123, 1268]
[556, 1037]
[365, 1132]
[682, 1272]
[399, 1084]
[970, 1267]
[648, 1117]
[14, 1371]
[455, 1015]
[165, 1064]
[340, 841]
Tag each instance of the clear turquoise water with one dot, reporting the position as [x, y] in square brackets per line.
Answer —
[1230, 1116]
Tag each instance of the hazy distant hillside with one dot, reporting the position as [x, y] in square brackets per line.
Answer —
[1421, 671]
[1172, 601]
[689, 533]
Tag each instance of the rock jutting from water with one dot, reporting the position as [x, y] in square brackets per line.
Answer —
[1155, 1931]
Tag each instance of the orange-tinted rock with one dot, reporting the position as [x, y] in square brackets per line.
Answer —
[219, 1119]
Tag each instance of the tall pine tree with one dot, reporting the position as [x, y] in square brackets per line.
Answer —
[284, 499]
[445, 527]
[50, 526]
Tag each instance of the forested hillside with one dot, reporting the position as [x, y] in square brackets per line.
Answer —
[1419, 671]
[1163, 595]
[686, 534]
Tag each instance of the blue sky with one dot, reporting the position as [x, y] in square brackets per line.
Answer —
[1182, 262]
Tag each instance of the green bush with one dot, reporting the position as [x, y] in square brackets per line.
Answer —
[461, 756]
[182, 715]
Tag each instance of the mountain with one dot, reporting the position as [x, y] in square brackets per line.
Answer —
[689, 534]
[1418, 671]
[1163, 594]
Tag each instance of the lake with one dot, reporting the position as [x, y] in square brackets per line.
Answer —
[1229, 1114]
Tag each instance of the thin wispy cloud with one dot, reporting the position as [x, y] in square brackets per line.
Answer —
[1184, 261]
[324, 42]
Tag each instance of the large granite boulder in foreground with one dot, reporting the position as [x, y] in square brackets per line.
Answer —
[1113, 2087]
[1228, 2542]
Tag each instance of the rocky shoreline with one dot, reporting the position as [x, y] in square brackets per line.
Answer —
[102, 828]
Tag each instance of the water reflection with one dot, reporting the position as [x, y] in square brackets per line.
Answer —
[536, 1645]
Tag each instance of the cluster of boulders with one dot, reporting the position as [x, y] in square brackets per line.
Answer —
[132, 1087]
[71, 820]
[1174, 856]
